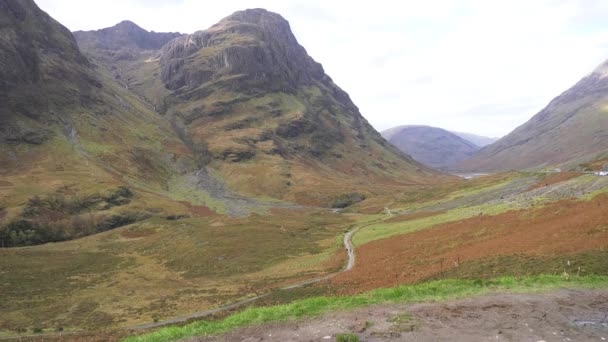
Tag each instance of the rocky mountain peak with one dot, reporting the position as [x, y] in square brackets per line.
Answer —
[125, 34]
[269, 21]
[128, 24]
[255, 44]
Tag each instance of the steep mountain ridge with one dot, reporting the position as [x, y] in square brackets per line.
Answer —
[431, 146]
[572, 129]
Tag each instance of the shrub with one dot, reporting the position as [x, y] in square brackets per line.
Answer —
[347, 338]
[346, 200]
[115, 221]
[176, 217]
[121, 196]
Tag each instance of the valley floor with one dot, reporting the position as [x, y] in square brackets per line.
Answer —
[563, 315]
[159, 270]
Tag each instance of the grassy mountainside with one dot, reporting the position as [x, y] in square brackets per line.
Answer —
[70, 136]
[431, 146]
[260, 113]
[571, 130]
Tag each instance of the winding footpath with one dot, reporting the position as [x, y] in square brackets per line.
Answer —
[350, 249]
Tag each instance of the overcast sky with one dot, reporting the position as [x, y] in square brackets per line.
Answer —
[476, 66]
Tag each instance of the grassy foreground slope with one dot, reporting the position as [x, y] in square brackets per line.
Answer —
[159, 269]
[430, 291]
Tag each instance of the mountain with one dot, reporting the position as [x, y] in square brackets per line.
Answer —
[478, 140]
[571, 130]
[215, 119]
[250, 102]
[431, 146]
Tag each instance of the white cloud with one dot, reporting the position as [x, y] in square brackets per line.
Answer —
[474, 65]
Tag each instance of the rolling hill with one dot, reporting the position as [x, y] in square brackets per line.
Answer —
[571, 130]
[431, 146]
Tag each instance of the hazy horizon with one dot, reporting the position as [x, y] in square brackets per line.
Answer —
[467, 66]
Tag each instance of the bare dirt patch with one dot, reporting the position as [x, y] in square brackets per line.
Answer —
[198, 210]
[565, 315]
[561, 228]
[5, 183]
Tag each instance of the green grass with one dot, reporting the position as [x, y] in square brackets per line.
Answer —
[384, 230]
[430, 291]
[347, 338]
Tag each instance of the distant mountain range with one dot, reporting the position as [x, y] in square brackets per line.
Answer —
[478, 140]
[432, 146]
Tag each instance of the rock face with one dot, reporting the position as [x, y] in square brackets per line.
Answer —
[431, 146]
[245, 91]
[571, 130]
[256, 46]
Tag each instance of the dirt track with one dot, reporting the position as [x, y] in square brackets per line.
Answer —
[565, 315]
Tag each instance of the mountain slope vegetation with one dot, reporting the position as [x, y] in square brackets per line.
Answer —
[248, 101]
